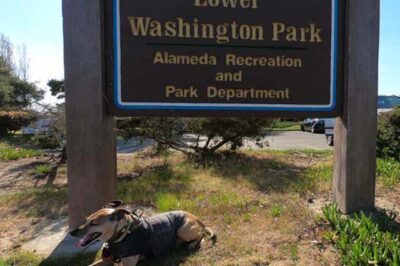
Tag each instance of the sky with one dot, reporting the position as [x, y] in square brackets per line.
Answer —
[38, 25]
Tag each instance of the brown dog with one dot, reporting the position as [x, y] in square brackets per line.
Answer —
[128, 237]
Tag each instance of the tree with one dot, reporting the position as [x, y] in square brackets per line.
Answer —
[23, 63]
[6, 51]
[57, 134]
[23, 94]
[16, 93]
[57, 113]
[5, 75]
[12, 121]
[57, 88]
[199, 136]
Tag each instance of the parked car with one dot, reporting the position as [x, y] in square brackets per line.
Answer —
[28, 131]
[313, 125]
[307, 124]
[40, 127]
[318, 127]
[385, 104]
[329, 131]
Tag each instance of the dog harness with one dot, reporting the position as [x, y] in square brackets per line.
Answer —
[152, 237]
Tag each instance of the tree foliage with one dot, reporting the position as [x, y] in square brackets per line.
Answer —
[388, 141]
[57, 88]
[200, 136]
[13, 121]
[16, 93]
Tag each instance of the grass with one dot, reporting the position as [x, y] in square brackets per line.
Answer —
[12, 154]
[302, 152]
[30, 259]
[16, 140]
[251, 193]
[388, 172]
[164, 186]
[276, 211]
[249, 198]
[315, 179]
[43, 169]
[365, 239]
[37, 202]
[279, 125]
[320, 176]
[21, 259]
[292, 251]
[15, 147]
[227, 194]
[276, 170]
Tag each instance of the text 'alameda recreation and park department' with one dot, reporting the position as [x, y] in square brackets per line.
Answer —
[224, 57]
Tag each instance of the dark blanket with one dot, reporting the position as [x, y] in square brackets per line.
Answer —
[153, 237]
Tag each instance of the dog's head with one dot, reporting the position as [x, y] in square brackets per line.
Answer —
[101, 225]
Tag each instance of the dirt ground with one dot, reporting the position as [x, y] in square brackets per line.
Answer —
[263, 205]
[17, 176]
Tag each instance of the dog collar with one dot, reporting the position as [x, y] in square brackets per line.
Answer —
[127, 229]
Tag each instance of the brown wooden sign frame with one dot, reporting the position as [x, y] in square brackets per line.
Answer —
[92, 174]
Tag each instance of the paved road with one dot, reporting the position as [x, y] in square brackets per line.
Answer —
[279, 140]
[133, 145]
[297, 140]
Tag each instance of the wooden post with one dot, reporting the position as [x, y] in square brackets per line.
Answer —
[355, 130]
[91, 142]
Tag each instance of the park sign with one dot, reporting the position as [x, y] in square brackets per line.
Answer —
[224, 57]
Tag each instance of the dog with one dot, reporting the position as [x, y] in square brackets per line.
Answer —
[128, 237]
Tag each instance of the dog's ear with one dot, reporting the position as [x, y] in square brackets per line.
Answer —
[118, 214]
[113, 204]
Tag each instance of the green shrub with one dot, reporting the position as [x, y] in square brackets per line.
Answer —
[279, 124]
[365, 239]
[12, 121]
[167, 202]
[199, 136]
[388, 140]
[388, 171]
[43, 169]
[276, 211]
[45, 142]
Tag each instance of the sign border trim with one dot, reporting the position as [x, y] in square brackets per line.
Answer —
[223, 106]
